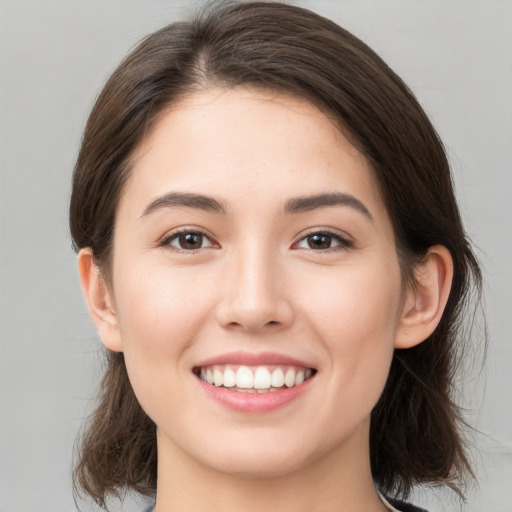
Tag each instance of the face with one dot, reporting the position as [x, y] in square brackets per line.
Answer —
[255, 284]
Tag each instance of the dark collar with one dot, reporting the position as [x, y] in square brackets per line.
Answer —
[404, 507]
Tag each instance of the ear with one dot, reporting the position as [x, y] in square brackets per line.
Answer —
[99, 300]
[425, 300]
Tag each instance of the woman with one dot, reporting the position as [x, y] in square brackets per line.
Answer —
[271, 250]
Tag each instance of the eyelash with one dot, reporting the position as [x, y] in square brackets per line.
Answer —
[343, 243]
[186, 231]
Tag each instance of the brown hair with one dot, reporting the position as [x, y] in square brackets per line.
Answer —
[416, 426]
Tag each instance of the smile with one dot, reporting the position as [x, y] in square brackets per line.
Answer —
[254, 379]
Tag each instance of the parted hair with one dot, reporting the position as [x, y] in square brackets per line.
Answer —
[416, 433]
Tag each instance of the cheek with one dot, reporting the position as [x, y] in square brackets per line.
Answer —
[356, 316]
[355, 304]
[160, 314]
[158, 304]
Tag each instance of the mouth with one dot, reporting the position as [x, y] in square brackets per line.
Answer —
[254, 379]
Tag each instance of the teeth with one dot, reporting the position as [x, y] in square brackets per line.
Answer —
[229, 378]
[244, 378]
[289, 378]
[277, 378]
[262, 378]
[218, 378]
[259, 379]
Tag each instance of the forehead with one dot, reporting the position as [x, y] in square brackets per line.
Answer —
[251, 140]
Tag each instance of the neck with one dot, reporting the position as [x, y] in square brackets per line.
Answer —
[339, 480]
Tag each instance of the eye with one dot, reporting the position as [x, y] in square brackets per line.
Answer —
[323, 241]
[188, 240]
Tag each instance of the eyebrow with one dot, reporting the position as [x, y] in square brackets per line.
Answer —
[308, 203]
[294, 205]
[185, 199]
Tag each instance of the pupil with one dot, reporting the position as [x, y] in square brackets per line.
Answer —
[320, 241]
[191, 240]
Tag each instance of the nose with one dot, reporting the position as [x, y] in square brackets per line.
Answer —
[254, 295]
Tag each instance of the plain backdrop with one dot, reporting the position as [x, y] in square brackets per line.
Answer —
[55, 56]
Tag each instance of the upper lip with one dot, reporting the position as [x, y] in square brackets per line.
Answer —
[253, 359]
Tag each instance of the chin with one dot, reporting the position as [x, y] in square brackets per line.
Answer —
[249, 458]
[262, 466]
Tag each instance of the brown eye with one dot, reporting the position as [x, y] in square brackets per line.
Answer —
[319, 241]
[188, 241]
[324, 241]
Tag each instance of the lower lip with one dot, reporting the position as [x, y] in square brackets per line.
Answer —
[254, 402]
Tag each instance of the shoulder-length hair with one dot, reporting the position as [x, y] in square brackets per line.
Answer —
[416, 426]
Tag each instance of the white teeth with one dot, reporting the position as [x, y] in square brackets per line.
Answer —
[262, 379]
[289, 378]
[244, 378]
[218, 378]
[229, 378]
[254, 379]
[277, 378]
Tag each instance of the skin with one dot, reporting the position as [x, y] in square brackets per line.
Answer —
[256, 285]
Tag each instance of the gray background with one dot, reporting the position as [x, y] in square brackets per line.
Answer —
[55, 56]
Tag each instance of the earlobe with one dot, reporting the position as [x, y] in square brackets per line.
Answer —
[99, 300]
[425, 301]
